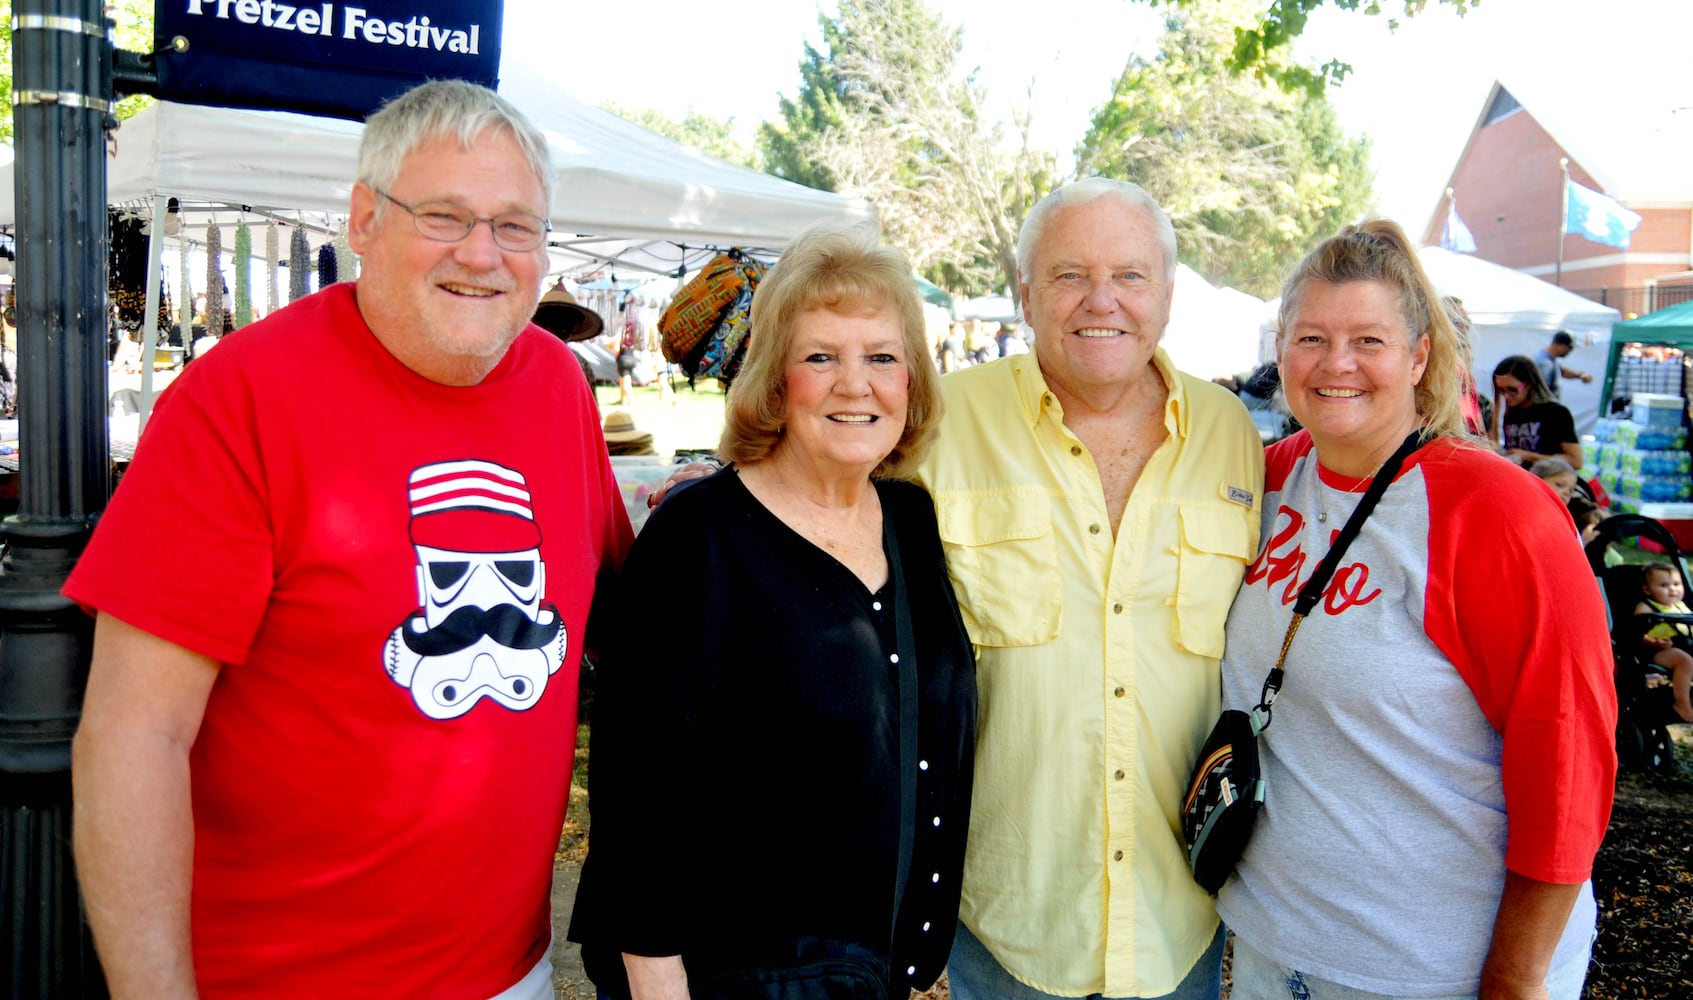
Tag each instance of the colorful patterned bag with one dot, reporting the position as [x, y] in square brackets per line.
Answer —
[698, 306]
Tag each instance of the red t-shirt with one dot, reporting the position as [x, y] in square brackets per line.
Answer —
[376, 801]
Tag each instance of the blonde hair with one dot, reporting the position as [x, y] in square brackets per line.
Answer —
[1378, 250]
[833, 268]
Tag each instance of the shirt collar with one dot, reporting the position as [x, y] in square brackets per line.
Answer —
[1032, 391]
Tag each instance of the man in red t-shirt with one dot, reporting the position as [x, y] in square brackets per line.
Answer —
[327, 739]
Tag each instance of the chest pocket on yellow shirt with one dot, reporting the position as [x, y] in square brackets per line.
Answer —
[1211, 560]
[1003, 561]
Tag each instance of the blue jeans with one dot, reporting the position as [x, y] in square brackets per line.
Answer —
[1260, 977]
[974, 974]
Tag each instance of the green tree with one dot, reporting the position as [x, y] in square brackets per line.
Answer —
[1252, 175]
[788, 146]
[134, 20]
[883, 113]
[1263, 45]
[711, 136]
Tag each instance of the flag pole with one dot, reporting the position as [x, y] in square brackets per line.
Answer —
[1563, 216]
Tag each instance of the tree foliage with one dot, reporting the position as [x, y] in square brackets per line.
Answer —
[1263, 46]
[711, 136]
[134, 21]
[883, 113]
[1250, 174]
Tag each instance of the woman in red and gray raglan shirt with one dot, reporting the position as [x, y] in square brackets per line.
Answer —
[1442, 741]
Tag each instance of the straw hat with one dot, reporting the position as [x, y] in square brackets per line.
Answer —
[622, 437]
[562, 316]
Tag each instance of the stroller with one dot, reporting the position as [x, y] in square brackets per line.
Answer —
[1644, 711]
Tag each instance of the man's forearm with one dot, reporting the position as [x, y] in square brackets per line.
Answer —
[134, 842]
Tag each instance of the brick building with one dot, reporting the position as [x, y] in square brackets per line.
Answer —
[1508, 187]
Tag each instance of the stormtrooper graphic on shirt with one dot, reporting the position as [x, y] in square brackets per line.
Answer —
[482, 630]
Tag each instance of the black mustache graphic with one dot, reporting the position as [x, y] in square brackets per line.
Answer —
[506, 624]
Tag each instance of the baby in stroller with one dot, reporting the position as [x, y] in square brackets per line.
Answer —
[1664, 590]
[1646, 706]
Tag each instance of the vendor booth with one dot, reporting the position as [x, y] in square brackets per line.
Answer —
[1515, 313]
[621, 195]
[624, 199]
[1649, 354]
[1641, 447]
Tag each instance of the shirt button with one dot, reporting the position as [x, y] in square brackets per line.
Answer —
[1119, 692]
[876, 605]
[1118, 856]
[894, 658]
[935, 878]
[1047, 399]
[937, 821]
[1093, 529]
[925, 927]
[1075, 449]
[911, 970]
[1119, 775]
[1116, 609]
[922, 765]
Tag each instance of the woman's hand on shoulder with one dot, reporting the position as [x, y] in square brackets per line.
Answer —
[691, 471]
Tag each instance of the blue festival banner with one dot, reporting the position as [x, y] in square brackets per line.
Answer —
[341, 60]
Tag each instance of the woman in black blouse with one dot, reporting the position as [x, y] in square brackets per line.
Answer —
[785, 718]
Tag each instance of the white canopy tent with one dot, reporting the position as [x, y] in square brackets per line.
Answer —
[988, 308]
[1212, 331]
[622, 195]
[1513, 313]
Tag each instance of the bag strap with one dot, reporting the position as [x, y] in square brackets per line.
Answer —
[906, 681]
[1312, 592]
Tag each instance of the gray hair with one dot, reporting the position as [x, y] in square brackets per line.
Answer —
[446, 108]
[1080, 193]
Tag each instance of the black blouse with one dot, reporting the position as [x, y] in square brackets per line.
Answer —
[745, 763]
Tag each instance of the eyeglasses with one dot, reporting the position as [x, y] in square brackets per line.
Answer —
[445, 222]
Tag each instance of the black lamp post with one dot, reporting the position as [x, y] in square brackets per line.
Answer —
[62, 94]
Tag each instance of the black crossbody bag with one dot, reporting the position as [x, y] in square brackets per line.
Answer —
[1226, 791]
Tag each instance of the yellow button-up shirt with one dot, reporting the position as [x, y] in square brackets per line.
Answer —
[1097, 670]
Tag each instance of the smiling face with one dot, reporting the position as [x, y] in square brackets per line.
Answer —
[1350, 368]
[1096, 295]
[846, 386]
[448, 311]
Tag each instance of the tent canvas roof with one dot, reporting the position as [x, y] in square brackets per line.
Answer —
[1672, 322]
[621, 193]
[1513, 313]
[1671, 326]
[1495, 295]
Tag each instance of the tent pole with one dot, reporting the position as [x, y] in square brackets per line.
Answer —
[150, 325]
[1563, 217]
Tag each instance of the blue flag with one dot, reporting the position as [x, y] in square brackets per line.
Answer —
[1457, 237]
[1597, 217]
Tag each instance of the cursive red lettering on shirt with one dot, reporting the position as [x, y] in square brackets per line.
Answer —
[1283, 560]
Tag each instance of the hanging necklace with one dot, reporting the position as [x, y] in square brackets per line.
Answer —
[1351, 489]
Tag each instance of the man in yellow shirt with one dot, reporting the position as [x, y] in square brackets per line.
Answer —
[1098, 508]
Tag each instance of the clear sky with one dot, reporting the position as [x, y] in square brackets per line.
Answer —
[1415, 93]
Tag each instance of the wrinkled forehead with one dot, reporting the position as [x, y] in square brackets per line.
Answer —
[1104, 232]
